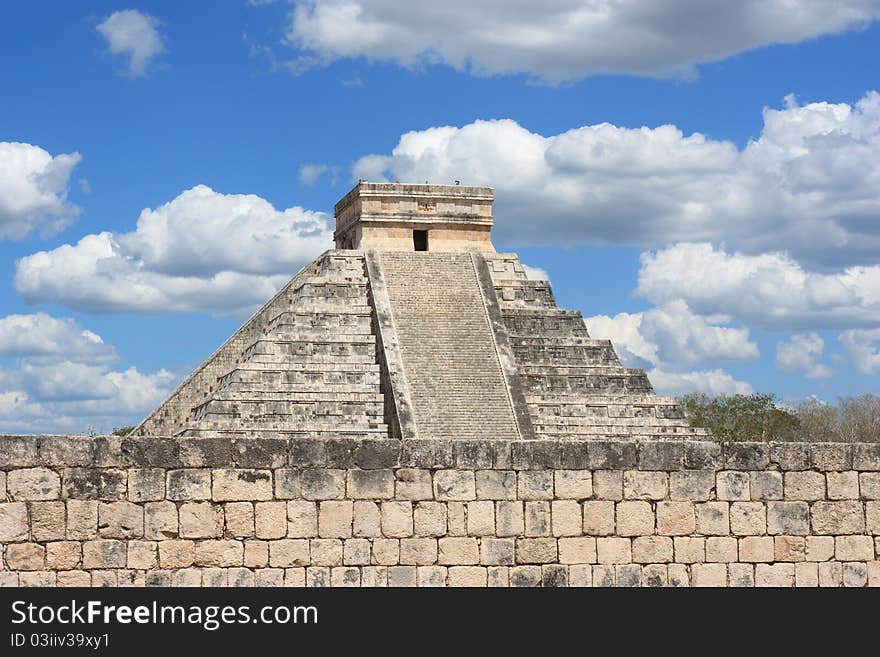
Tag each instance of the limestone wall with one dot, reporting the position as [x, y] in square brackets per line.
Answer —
[220, 511]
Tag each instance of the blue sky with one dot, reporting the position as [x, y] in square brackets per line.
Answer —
[702, 185]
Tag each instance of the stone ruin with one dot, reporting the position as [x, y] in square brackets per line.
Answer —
[415, 327]
[412, 410]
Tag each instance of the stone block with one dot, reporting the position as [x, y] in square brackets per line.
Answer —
[676, 518]
[678, 575]
[734, 486]
[48, 521]
[456, 519]
[788, 518]
[414, 484]
[229, 485]
[640, 485]
[689, 549]
[499, 576]
[535, 485]
[270, 519]
[573, 484]
[219, 553]
[652, 549]
[458, 551]
[496, 484]
[580, 575]
[634, 518]
[176, 553]
[72, 578]
[143, 555]
[721, 549]
[830, 574]
[791, 456]
[481, 518]
[160, 520]
[323, 551]
[612, 550]
[854, 548]
[554, 576]
[189, 485]
[535, 550]
[866, 457]
[345, 576]
[603, 576]
[538, 519]
[429, 519]
[356, 552]
[288, 485]
[753, 549]
[120, 520]
[397, 519]
[318, 484]
[608, 485]
[842, 485]
[454, 485]
[872, 517]
[509, 518]
[789, 548]
[869, 485]
[431, 576]
[335, 519]
[691, 485]
[63, 555]
[302, 519]
[370, 484]
[766, 485]
[577, 550]
[290, 552]
[200, 520]
[526, 576]
[831, 456]
[709, 574]
[713, 518]
[806, 575]
[805, 486]
[819, 548]
[470, 576]
[25, 556]
[103, 553]
[33, 484]
[386, 551]
[146, 484]
[748, 518]
[599, 518]
[774, 575]
[82, 519]
[94, 484]
[567, 518]
[837, 517]
[366, 519]
[256, 554]
[655, 575]
[418, 551]
[239, 519]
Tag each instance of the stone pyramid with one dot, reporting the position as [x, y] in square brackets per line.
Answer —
[415, 328]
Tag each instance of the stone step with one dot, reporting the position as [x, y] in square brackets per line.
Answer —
[595, 432]
[378, 432]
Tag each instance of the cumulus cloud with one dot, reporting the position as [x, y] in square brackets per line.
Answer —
[42, 336]
[770, 290]
[133, 35]
[33, 190]
[801, 353]
[536, 273]
[807, 185]
[59, 377]
[203, 251]
[863, 347]
[309, 174]
[559, 40]
[670, 339]
[711, 382]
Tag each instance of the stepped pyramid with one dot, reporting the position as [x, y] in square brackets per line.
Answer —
[415, 328]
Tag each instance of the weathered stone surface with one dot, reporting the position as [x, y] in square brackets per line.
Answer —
[94, 484]
[639, 485]
[837, 517]
[732, 485]
[495, 484]
[691, 485]
[120, 520]
[33, 484]
[47, 520]
[788, 518]
[634, 518]
[454, 485]
[415, 484]
[146, 484]
[806, 485]
[13, 522]
[598, 518]
[160, 520]
[535, 485]
[189, 485]
[676, 518]
[335, 519]
[239, 485]
[201, 520]
[572, 484]
[270, 520]
[652, 549]
[370, 484]
[713, 518]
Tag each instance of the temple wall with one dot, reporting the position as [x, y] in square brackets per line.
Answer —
[220, 511]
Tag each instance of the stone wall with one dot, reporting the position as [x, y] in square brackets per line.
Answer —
[219, 511]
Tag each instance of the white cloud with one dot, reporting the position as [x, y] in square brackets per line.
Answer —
[309, 174]
[808, 185]
[711, 382]
[134, 35]
[672, 335]
[201, 252]
[771, 290]
[559, 40]
[801, 352]
[536, 273]
[33, 190]
[669, 340]
[61, 379]
[40, 335]
[863, 347]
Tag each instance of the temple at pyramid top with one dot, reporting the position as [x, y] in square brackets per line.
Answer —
[396, 217]
[413, 327]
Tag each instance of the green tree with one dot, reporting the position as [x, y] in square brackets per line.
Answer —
[740, 417]
[122, 431]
